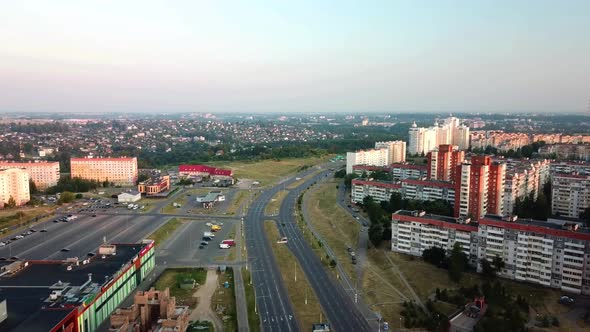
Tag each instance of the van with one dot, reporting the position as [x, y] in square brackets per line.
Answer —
[230, 242]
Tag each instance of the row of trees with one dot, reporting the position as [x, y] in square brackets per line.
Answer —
[75, 185]
[380, 213]
[526, 151]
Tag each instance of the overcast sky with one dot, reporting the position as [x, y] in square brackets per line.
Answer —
[316, 55]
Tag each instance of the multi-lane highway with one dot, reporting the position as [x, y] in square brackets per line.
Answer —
[272, 299]
[80, 236]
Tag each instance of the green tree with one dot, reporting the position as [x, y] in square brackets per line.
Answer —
[66, 197]
[457, 263]
[32, 187]
[396, 202]
[585, 216]
[498, 263]
[11, 202]
[375, 234]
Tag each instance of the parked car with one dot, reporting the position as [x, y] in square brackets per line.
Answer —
[566, 300]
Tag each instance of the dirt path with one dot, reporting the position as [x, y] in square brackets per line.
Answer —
[203, 310]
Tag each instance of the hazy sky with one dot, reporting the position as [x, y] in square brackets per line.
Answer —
[316, 55]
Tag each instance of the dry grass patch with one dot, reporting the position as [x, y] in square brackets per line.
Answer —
[224, 298]
[269, 171]
[239, 198]
[382, 287]
[171, 278]
[273, 207]
[336, 226]
[162, 233]
[300, 290]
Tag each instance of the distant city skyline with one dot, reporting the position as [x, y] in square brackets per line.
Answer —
[304, 56]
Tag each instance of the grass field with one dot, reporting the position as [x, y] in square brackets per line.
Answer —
[253, 318]
[23, 215]
[239, 198]
[225, 297]
[171, 278]
[162, 233]
[273, 207]
[299, 291]
[269, 171]
[381, 285]
[336, 226]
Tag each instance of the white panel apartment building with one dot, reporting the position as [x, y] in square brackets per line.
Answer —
[424, 140]
[549, 254]
[570, 194]
[14, 182]
[409, 189]
[385, 153]
[380, 191]
[524, 178]
[396, 151]
[373, 157]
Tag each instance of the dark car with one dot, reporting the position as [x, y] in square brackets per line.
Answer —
[65, 250]
[94, 215]
[56, 220]
[90, 254]
[204, 243]
[566, 300]
[201, 246]
[43, 230]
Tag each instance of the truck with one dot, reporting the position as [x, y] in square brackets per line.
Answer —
[209, 234]
[230, 242]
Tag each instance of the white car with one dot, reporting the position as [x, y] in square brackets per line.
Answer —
[19, 236]
[224, 246]
[208, 224]
[2, 244]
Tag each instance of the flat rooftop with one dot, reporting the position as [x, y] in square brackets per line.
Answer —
[27, 291]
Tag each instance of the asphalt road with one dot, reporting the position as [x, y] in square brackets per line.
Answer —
[342, 313]
[272, 299]
[81, 236]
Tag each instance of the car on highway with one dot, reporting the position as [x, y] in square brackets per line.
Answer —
[18, 237]
[201, 246]
[43, 230]
[32, 230]
[14, 258]
[65, 249]
[94, 215]
[224, 246]
[204, 243]
[2, 244]
[352, 253]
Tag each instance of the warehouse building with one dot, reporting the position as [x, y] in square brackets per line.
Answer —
[72, 295]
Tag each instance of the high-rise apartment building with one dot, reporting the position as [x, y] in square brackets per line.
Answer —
[443, 162]
[424, 140]
[43, 174]
[524, 178]
[121, 171]
[570, 194]
[14, 183]
[396, 150]
[479, 188]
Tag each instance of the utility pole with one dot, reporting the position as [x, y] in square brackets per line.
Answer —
[295, 269]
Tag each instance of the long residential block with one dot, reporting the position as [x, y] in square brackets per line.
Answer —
[121, 171]
[43, 174]
[553, 254]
